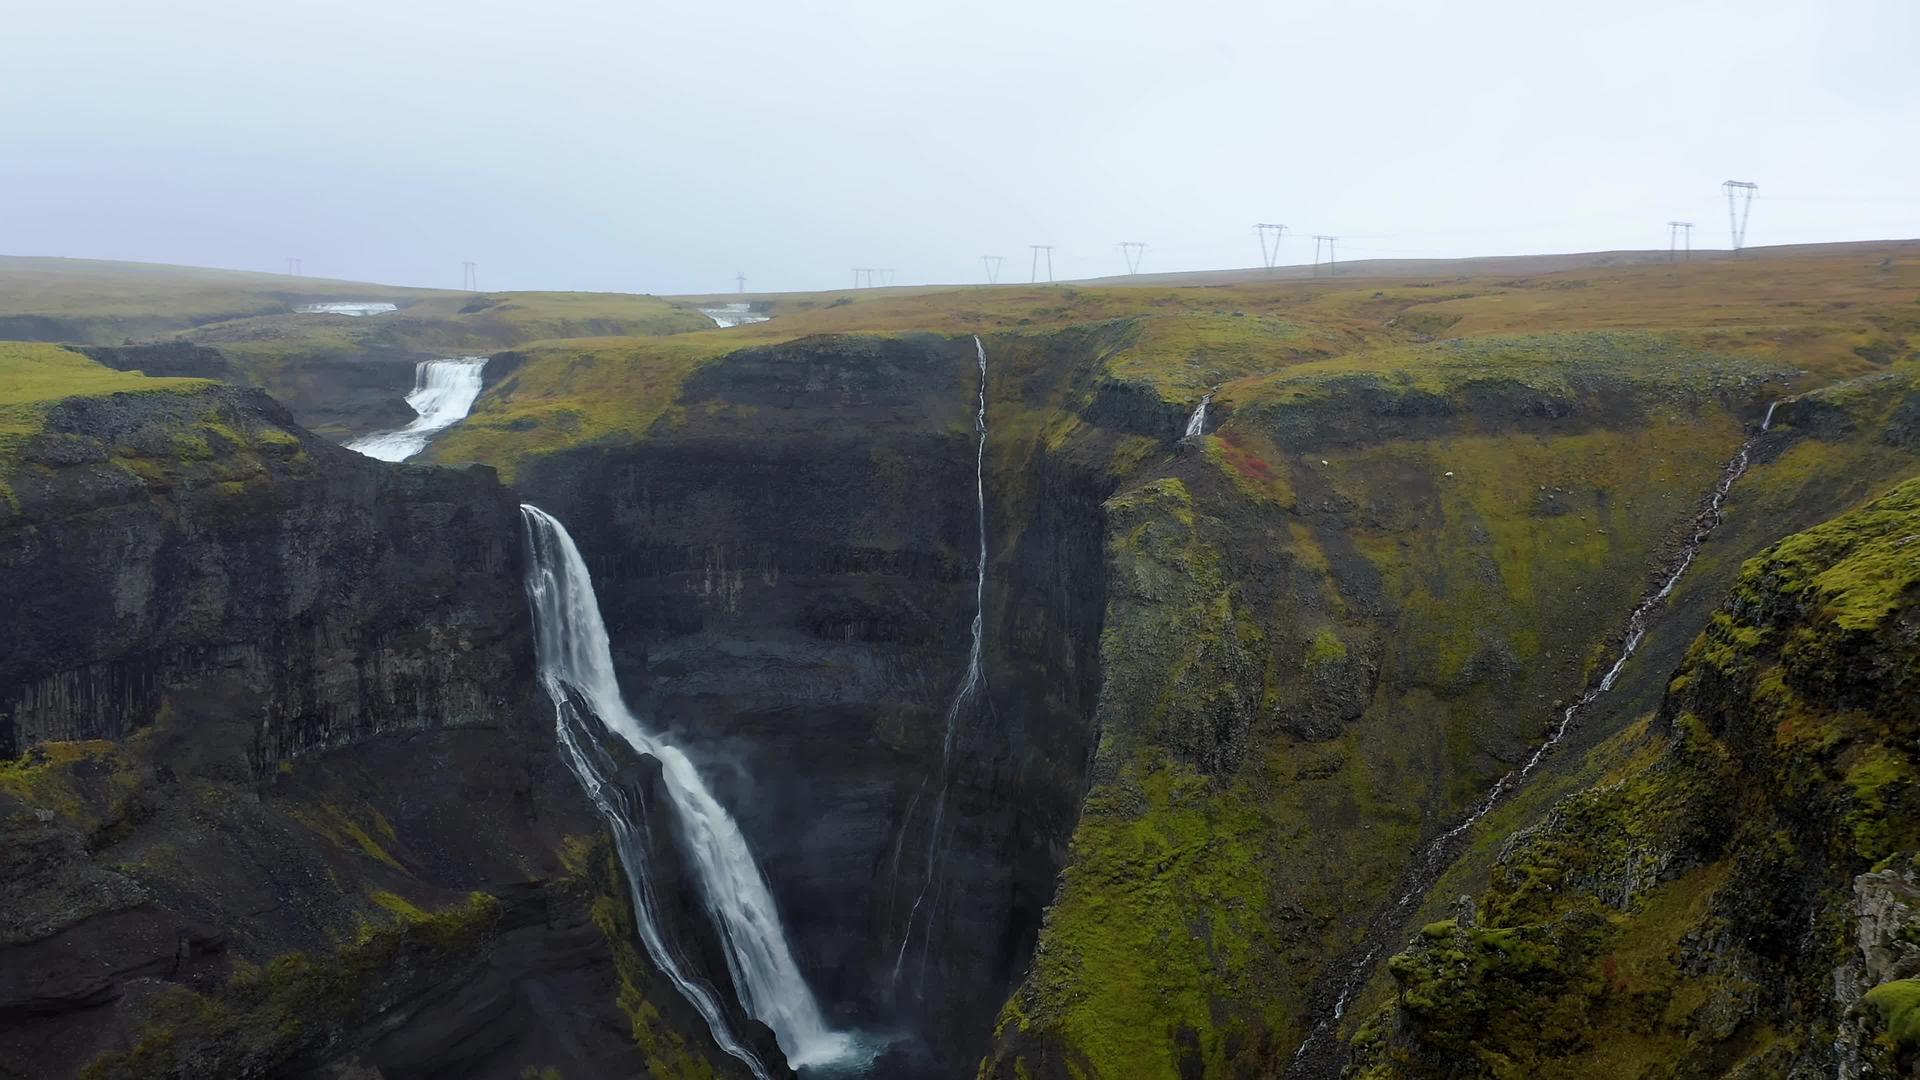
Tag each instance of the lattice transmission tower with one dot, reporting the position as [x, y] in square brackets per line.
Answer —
[1037, 249]
[1676, 230]
[1270, 243]
[1739, 206]
[1319, 239]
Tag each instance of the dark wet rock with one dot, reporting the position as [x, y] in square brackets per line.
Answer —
[165, 359]
[172, 545]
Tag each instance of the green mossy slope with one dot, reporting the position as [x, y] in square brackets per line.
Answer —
[1711, 904]
[1329, 627]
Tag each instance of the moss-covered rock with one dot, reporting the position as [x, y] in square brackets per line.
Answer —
[1698, 912]
[267, 1019]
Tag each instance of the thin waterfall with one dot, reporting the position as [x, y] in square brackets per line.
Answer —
[1197, 423]
[443, 393]
[974, 682]
[1438, 854]
[576, 668]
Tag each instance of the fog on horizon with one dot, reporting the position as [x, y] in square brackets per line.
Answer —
[663, 148]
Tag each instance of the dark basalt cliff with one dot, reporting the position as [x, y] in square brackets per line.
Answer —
[283, 798]
[787, 572]
[172, 546]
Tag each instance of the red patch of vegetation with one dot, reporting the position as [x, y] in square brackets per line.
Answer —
[1245, 461]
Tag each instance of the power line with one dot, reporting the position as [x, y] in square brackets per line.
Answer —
[992, 263]
[863, 273]
[1740, 192]
[1133, 251]
[470, 276]
[1037, 249]
[741, 278]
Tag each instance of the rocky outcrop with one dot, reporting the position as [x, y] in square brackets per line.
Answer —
[164, 359]
[1736, 892]
[1886, 935]
[284, 798]
[172, 547]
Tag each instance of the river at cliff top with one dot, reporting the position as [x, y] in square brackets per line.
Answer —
[352, 308]
[443, 393]
[733, 315]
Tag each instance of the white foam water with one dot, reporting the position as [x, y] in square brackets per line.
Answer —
[353, 309]
[971, 684]
[1197, 423]
[576, 668]
[443, 393]
[737, 314]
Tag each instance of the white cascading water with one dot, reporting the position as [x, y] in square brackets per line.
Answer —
[353, 309]
[737, 314]
[1433, 858]
[1197, 423]
[975, 679]
[443, 393]
[576, 665]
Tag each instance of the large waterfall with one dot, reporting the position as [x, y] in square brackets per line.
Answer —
[972, 684]
[576, 667]
[443, 393]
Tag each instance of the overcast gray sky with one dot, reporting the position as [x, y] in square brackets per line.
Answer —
[661, 147]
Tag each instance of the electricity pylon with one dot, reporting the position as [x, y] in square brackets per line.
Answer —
[1270, 254]
[1674, 231]
[1332, 270]
[1739, 192]
[1037, 249]
[1133, 251]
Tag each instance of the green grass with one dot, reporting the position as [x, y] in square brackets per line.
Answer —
[1783, 770]
[102, 303]
[35, 377]
[576, 392]
[1898, 1004]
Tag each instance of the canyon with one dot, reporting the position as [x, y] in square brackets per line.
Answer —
[1088, 673]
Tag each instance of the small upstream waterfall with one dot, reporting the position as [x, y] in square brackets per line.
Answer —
[736, 314]
[1197, 423]
[972, 684]
[1440, 852]
[576, 668]
[353, 309]
[443, 393]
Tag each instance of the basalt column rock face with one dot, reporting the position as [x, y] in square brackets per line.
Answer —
[161, 546]
[787, 569]
[283, 797]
